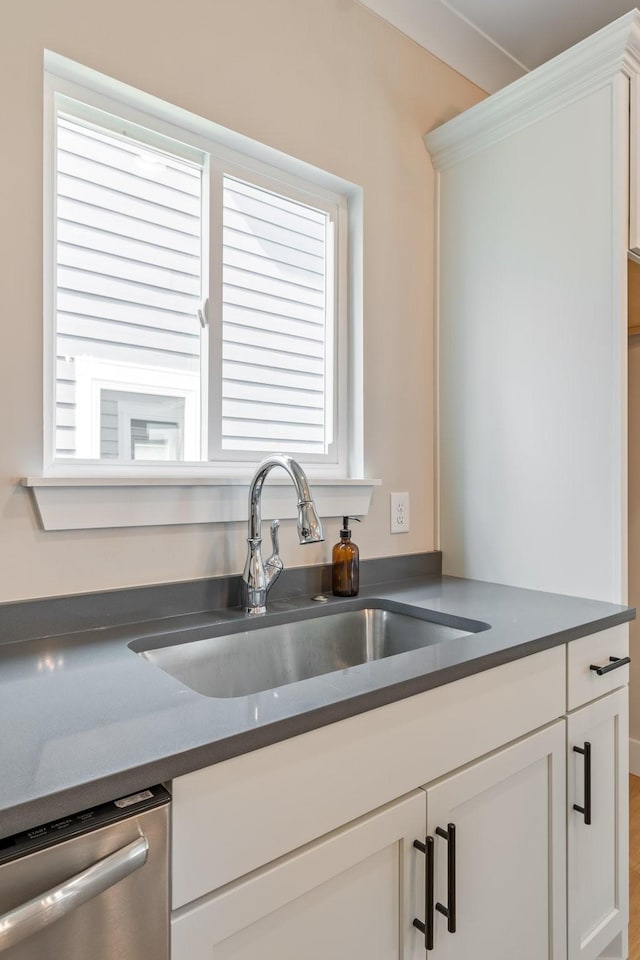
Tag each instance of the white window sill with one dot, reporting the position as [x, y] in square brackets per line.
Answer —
[91, 503]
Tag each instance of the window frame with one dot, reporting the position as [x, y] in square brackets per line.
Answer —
[195, 136]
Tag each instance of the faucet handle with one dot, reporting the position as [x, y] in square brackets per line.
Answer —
[275, 539]
[273, 566]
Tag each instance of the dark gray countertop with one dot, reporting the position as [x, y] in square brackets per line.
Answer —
[84, 719]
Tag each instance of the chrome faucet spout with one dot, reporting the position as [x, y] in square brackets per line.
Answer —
[259, 576]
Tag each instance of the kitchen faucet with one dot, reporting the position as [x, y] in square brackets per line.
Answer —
[258, 575]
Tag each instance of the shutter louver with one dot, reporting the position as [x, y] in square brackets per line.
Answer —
[128, 278]
[274, 322]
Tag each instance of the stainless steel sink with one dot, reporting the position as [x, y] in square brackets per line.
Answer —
[245, 662]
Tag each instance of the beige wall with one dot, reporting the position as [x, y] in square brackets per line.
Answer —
[323, 80]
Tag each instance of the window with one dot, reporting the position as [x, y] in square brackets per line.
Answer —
[277, 322]
[129, 288]
[197, 295]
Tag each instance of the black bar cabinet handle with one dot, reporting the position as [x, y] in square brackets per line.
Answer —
[586, 810]
[450, 910]
[427, 926]
[614, 663]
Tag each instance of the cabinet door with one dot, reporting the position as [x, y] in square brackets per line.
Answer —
[508, 812]
[353, 894]
[598, 850]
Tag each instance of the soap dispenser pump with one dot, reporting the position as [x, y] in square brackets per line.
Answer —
[345, 571]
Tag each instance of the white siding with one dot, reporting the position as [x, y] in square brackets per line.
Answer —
[274, 326]
[128, 279]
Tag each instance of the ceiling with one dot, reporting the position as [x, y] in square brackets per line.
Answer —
[493, 42]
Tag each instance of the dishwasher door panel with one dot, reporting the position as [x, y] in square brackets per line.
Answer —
[128, 920]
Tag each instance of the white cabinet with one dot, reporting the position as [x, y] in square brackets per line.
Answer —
[533, 200]
[597, 767]
[307, 848]
[233, 818]
[353, 894]
[508, 812]
[357, 891]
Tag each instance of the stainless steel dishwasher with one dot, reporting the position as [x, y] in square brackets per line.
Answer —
[92, 885]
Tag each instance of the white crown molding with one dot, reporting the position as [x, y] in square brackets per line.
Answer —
[587, 65]
[453, 39]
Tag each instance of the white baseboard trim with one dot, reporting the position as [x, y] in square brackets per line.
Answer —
[634, 757]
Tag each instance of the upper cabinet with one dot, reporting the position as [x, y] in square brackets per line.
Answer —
[533, 234]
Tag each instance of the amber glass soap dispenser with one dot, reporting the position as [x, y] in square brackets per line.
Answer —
[346, 563]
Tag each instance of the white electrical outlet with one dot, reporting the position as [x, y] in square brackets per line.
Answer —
[399, 513]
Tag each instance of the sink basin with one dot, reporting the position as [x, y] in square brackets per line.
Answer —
[261, 658]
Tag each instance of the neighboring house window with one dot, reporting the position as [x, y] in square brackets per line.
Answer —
[198, 313]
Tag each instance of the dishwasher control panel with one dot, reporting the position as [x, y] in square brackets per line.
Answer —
[47, 834]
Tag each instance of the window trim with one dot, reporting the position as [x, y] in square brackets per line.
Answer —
[85, 503]
[90, 92]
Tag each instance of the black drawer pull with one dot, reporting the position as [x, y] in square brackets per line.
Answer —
[450, 910]
[615, 662]
[586, 810]
[427, 926]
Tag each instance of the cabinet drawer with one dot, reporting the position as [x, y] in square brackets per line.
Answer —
[583, 683]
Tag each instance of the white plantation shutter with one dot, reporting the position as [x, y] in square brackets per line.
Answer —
[276, 323]
[128, 272]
